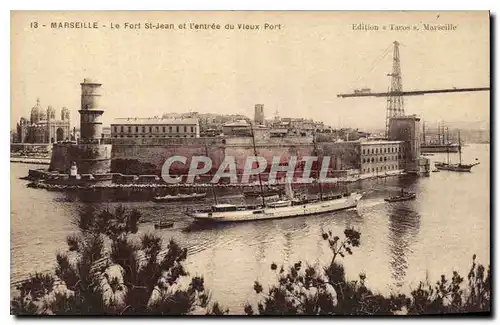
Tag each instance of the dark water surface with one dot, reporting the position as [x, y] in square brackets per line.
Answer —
[401, 243]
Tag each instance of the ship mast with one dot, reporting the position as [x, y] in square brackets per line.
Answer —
[260, 179]
[459, 148]
[423, 132]
[213, 188]
[439, 133]
[447, 145]
[317, 171]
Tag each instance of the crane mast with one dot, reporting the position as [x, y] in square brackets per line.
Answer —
[395, 93]
[395, 100]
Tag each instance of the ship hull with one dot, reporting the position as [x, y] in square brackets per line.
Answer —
[438, 148]
[463, 169]
[319, 207]
[180, 198]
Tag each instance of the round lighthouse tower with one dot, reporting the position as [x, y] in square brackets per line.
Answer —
[90, 155]
[90, 112]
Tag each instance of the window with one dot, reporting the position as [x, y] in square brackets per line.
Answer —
[163, 129]
[121, 129]
[129, 129]
[150, 129]
[177, 129]
[385, 158]
[373, 160]
[185, 129]
[143, 129]
[136, 129]
[157, 129]
[116, 129]
[170, 129]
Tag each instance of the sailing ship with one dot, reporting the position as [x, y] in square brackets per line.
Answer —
[460, 167]
[286, 207]
[436, 146]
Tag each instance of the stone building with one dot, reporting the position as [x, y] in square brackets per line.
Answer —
[381, 156]
[155, 128]
[43, 126]
[407, 130]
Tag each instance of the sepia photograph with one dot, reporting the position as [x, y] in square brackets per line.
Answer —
[250, 163]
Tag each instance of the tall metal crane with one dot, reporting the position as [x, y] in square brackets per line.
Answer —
[395, 94]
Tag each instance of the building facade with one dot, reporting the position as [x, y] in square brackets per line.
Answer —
[155, 128]
[407, 130]
[43, 126]
[379, 157]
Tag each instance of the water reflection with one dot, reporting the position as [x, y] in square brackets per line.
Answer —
[404, 225]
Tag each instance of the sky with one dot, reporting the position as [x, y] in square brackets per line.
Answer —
[297, 70]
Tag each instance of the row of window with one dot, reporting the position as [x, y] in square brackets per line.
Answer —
[156, 129]
[151, 136]
[379, 169]
[378, 159]
[376, 150]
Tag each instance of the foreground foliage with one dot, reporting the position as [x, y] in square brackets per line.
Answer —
[308, 291]
[133, 278]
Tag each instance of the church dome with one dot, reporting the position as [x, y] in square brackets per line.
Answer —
[42, 115]
[35, 112]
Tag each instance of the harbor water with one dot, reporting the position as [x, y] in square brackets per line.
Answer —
[401, 243]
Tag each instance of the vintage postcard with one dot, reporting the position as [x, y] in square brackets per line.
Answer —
[250, 163]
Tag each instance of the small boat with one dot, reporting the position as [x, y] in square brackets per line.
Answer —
[405, 196]
[435, 170]
[164, 224]
[180, 197]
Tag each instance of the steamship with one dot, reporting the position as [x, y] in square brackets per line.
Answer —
[285, 208]
[289, 206]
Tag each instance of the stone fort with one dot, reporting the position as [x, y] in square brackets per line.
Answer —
[94, 154]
